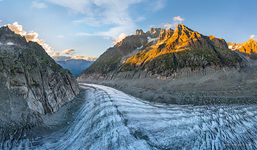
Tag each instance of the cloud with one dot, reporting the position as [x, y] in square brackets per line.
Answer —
[78, 6]
[91, 58]
[106, 38]
[176, 21]
[31, 36]
[167, 25]
[60, 36]
[68, 51]
[99, 13]
[56, 54]
[179, 19]
[119, 38]
[141, 18]
[61, 58]
[16, 28]
[58, 57]
[151, 26]
[37, 5]
[84, 57]
[253, 36]
[83, 34]
[157, 5]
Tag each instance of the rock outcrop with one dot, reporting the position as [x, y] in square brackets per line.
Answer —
[31, 82]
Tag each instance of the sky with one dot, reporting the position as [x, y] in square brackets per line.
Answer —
[84, 29]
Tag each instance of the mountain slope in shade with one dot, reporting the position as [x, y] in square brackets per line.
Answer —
[249, 48]
[76, 66]
[30, 81]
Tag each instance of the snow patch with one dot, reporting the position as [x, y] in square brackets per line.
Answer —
[140, 47]
[9, 43]
[152, 39]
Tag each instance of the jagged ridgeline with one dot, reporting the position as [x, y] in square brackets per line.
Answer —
[248, 48]
[164, 52]
[30, 78]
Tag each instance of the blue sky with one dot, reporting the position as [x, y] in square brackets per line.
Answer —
[89, 27]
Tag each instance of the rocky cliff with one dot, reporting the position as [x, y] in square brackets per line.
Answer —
[31, 81]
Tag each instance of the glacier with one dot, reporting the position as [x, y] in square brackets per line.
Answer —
[111, 119]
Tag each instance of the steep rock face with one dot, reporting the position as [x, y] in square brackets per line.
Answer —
[29, 74]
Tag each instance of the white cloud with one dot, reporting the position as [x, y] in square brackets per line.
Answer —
[141, 18]
[253, 36]
[176, 21]
[106, 38]
[60, 36]
[37, 5]
[31, 36]
[58, 57]
[91, 58]
[84, 57]
[16, 28]
[83, 34]
[103, 12]
[78, 6]
[119, 38]
[152, 26]
[179, 19]
[167, 25]
[68, 51]
[157, 5]
[56, 54]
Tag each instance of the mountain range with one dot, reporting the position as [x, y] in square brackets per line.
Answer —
[164, 52]
[76, 66]
[165, 65]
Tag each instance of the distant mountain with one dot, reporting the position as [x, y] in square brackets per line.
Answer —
[249, 48]
[164, 52]
[76, 66]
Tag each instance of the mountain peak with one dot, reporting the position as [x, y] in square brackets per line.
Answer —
[139, 32]
[251, 41]
[7, 35]
[181, 27]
